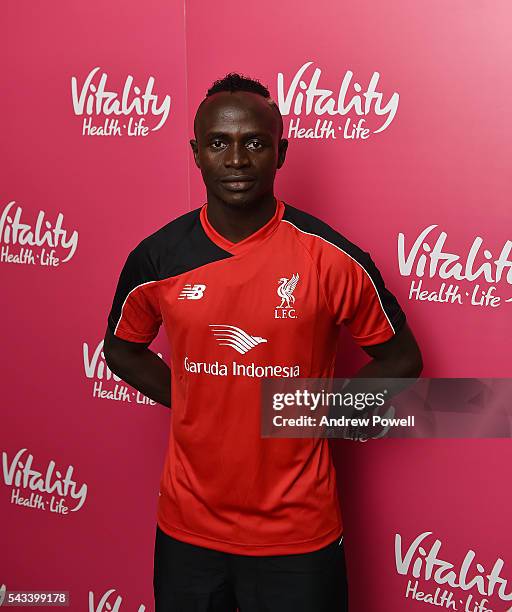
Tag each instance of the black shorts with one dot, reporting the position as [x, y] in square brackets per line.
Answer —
[190, 578]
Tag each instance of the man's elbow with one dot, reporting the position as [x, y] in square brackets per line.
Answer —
[411, 364]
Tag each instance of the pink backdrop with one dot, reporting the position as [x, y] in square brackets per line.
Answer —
[442, 160]
[113, 190]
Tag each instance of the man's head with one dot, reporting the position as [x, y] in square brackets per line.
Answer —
[238, 143]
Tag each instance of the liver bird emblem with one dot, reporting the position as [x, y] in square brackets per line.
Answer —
[285, 290]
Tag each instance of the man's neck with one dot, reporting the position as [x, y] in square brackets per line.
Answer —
[237, 223]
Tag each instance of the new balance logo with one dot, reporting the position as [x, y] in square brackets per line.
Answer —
[192, 292]
[229, 335]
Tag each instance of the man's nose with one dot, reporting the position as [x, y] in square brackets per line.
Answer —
[236, 156]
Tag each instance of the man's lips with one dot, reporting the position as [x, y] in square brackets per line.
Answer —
[237, 183]
[237, 178]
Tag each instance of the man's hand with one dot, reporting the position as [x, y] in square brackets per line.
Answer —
[398, 359]
[139, 367]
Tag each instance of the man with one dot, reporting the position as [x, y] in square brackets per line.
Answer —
[247, 286]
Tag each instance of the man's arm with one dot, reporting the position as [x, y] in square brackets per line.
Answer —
[139, 367]
[399, 357]
[398, 361]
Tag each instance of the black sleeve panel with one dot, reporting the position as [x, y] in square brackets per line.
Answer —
[178, 247]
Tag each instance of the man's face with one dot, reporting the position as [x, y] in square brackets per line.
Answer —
[238, 147]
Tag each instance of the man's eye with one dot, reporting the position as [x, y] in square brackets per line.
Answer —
[217, 144]
[254, 145]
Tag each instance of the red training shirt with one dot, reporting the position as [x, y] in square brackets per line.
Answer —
[268, 306]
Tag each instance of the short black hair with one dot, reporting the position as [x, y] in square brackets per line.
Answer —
[238, 82]
[232, 82]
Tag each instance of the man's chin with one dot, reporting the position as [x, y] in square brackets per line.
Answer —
[238, 199]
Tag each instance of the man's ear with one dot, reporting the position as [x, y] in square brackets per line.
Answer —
[193, 144]
[281, 154]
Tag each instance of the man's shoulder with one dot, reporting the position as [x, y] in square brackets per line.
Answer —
[172, 233]
[156, 252]
[309, 225]
[179, 246]
[319, 234]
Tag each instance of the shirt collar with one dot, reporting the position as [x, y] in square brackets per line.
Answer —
[237, 248]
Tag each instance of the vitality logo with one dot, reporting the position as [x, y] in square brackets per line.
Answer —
[40, 243]
[471, 277]
[97, 370]
[421, 561]
[130, 108]
[106, 603]
[48, 489]
[357, 100]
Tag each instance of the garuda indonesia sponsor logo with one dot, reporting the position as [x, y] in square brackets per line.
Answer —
[249, 370]
[241, 342]
[236, 338]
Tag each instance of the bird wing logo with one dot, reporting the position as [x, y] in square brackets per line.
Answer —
[286, 289]
[2, 593]
[241, 341]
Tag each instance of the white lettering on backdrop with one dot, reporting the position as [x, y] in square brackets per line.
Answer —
[93, 98]
[96, 369]
[21, 475]
[304, 97]
[13, 232]
[105, 605]
[423, 562]
[428, 257]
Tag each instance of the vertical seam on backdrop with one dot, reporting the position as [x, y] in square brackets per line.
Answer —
[186, 99]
